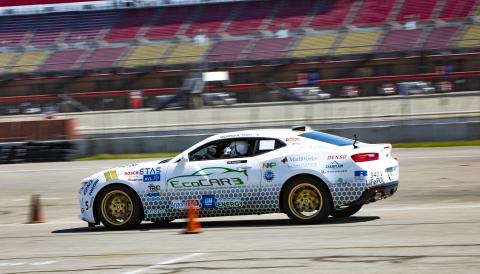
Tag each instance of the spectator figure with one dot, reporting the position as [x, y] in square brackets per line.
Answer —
[136, 99]
[411, 23]
[282, 32]
[201, 38]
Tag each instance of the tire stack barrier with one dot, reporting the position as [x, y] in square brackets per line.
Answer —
[37, 151]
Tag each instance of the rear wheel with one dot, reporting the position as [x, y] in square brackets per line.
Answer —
[119, 208]
[306, 200]
[346, 212]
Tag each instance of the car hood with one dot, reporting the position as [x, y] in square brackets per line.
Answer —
[134, 172]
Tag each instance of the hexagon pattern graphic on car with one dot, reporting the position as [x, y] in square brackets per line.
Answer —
[242, 200]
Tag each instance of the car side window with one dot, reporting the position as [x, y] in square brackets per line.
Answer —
[224, 149]
[267, 145]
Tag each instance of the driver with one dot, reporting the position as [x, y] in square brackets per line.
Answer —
[211, 153]
[236, 149]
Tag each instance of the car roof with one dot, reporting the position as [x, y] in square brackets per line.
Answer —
[266, 133]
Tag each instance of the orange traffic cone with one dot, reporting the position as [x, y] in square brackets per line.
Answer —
[36, 215]
[193, 226]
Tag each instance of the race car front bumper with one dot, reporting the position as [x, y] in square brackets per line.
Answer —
[376, 193]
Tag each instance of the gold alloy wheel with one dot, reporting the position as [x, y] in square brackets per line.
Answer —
[117, 207]
[305, 201]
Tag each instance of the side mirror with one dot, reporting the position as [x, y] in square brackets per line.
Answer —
[184, 158]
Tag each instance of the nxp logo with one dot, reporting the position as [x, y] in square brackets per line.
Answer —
[269, 165]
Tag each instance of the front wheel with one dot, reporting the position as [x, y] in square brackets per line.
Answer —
[119, 208]
[346, 212]
[306, 201]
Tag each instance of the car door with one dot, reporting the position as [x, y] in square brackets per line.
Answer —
[216, 173]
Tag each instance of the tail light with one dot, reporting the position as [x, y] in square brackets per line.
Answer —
[364, 157]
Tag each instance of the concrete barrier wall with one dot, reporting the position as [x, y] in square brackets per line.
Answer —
[279, 114]
[373, 134]
[268, 114]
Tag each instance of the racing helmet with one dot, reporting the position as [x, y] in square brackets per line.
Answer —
[236, 148]
[211, 150]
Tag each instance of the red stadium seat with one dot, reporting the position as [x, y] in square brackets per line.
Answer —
[224, 51]
[61, 60]
[270, 48]
[128, 25]
[331, 15]
[103, 57]
[373, 12]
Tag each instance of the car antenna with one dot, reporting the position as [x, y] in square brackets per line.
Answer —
[355, 141]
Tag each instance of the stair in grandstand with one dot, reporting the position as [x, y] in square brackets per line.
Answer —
[354, 9]
[77, 104]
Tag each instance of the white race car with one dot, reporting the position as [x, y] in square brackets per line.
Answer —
[306, 174]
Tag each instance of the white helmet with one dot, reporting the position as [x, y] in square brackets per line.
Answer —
[236, 148]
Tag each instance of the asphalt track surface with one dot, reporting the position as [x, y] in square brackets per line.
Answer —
[432, 225]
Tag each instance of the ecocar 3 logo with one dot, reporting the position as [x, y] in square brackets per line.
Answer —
[210, 177]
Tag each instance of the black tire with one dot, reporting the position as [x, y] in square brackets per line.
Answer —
[131, 205]
[322, 203]
[346, 212]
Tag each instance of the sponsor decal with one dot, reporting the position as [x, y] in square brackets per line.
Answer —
[236, 135]
[229, 202]
[334, 171]
[268, 175]
[210, 177]
[336, 157]
[93, 187]
[208, 201]
[302, 158]
[375, 178]
[153, 194]
[149, 171]
[182, 204]
[147, 174]
[153, 188]
[300, 161]
[360, 175]
[334, 165]
[292, 139]
[269, 165]
[236, 162]
[130, 173]
[86, 187]
[155, 211]
[110, 175]
[151, 177]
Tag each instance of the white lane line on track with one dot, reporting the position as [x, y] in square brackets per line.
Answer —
[42, 224]
[42, 170]
[439, 157]
[424, 208]
[43, 198]
[31, 263]
[160, 264]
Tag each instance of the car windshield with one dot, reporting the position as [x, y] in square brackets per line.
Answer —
[327, 138]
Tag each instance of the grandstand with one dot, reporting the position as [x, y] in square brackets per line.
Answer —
[231, 34]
